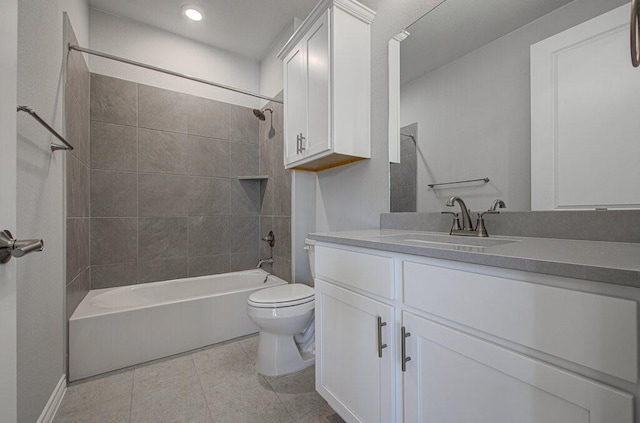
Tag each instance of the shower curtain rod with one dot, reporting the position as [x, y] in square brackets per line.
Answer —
[169, 72]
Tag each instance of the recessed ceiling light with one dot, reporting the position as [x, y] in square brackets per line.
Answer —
[192, 13]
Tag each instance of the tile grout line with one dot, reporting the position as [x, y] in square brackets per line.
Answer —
[206, 402]
[133, 381]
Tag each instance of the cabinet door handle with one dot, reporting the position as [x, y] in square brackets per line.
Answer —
[403, 347]
[635, 24]
[380, 344]
[297, 143]
[302, 139]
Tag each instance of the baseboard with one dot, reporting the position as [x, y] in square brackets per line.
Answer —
[55, 399]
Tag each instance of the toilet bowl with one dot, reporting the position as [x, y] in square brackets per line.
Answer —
[285, 316]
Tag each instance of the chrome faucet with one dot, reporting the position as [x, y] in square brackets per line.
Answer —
[467, 226]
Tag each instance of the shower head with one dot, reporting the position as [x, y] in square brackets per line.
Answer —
[260, 113]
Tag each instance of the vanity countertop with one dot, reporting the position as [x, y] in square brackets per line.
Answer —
[610, 262]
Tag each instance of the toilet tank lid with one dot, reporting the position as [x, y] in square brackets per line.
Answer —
[282, 294]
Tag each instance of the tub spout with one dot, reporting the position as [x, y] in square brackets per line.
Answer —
[263, 261]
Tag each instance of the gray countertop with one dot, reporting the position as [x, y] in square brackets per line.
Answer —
[609, 262]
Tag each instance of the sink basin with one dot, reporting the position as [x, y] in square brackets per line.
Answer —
[447, 240]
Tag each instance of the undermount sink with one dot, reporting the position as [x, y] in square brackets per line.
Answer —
[448, 240]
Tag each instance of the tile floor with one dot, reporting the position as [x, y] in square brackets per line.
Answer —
[213, 384]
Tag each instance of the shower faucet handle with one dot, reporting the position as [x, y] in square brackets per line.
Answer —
[270, 239]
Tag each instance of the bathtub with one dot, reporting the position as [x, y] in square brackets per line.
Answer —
[118, 327]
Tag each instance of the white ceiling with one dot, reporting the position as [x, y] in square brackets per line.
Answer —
[458, 27]
[245, 27]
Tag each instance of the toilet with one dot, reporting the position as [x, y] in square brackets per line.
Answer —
[285, 316]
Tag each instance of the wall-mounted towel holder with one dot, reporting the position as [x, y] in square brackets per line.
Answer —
[54, 147]
[484, 180]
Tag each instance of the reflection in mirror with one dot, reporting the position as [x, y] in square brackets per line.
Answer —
[466, 82]
[404, 176]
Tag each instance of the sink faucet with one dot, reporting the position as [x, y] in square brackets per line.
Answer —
[467, 227]
[466, 219]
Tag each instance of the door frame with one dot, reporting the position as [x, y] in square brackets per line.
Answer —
[8, 137]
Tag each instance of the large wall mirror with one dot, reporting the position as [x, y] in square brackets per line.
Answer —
[533, 101]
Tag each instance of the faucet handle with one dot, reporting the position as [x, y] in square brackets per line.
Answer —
[455, 225]
[497, 204]
[481, 230]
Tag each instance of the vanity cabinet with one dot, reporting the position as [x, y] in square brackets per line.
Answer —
[353, 377]
[481, 344]
[355, 358]
[454, 377]
[327, 87]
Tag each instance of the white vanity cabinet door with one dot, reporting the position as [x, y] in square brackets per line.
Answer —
[350, 375]
[454, 377]
[335, 44]
[295, 101]
[316, 44]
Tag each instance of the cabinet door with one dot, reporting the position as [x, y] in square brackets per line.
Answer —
[350, 375]
[453, 377]
[316, 44]
[295, 101]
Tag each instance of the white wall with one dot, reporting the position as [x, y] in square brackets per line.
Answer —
[353, 196]
[474, 120]
[147, 44]
[40, 204]
[271, 68]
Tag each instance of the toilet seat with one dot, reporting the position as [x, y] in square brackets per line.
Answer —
[282, 296]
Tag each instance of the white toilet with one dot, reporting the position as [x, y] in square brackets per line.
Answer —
[285, 316]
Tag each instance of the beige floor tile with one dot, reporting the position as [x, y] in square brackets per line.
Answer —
[104, 399]
[226, 371]
[145, 376]
[214, 384]
[258, 405]
[250, 346]
[220, 356]
[298, 392]
[179, 405]
[324, 414]
[168, 391]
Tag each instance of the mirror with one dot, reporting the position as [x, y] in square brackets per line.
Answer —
[532, 95]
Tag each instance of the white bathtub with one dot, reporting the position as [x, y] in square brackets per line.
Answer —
[118, 327]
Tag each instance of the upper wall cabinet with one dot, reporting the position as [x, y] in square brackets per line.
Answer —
[327, 87]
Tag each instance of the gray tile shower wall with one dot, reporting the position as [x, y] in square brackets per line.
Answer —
[404, 176]
[76, 97]
[165, 199]
[275, 211]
